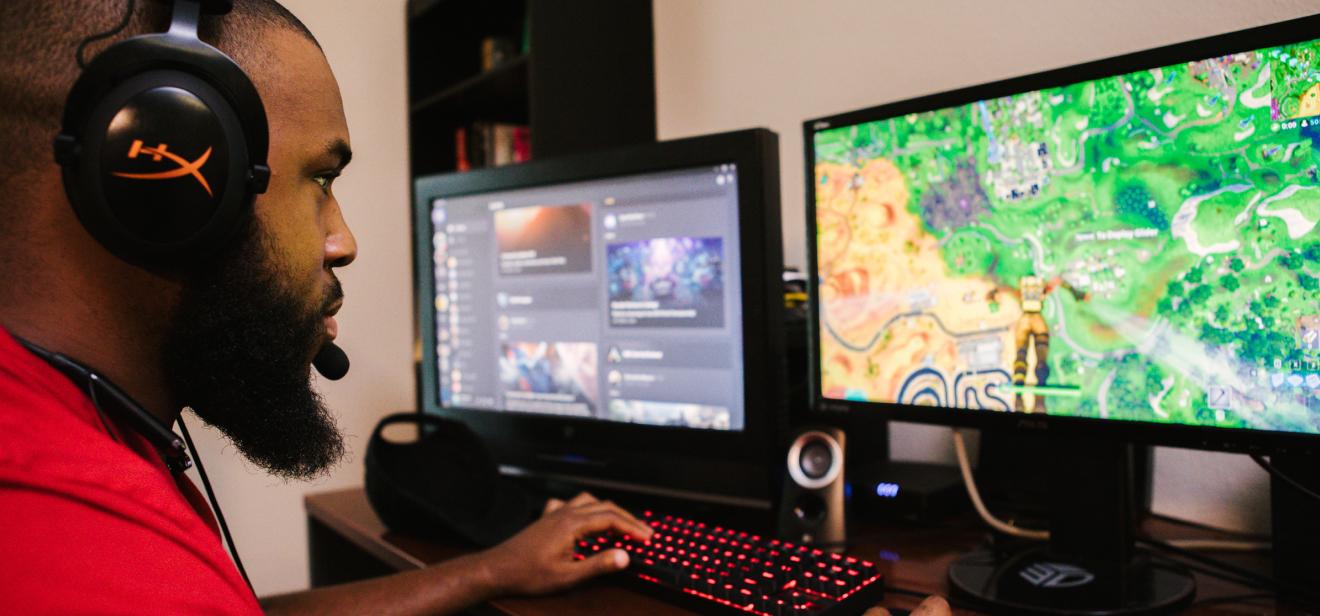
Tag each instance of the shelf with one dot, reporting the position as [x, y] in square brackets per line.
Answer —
[497, 94]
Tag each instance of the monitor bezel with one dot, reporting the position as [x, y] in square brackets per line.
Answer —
[719, 463]
[1154, 433]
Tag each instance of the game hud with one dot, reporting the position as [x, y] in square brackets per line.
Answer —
[1139, 247]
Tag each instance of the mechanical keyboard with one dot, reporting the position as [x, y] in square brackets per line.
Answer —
[722, 569]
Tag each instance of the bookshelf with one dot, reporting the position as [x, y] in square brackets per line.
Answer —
[579, 73]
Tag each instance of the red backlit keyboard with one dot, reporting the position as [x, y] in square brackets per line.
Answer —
[743, 572]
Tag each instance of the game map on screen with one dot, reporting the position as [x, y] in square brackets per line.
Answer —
[1139, 247]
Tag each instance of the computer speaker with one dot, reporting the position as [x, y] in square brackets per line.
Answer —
[811, 508]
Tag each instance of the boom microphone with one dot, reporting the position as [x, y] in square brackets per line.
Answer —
[331, 361]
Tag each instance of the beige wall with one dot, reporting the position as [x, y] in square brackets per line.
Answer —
[721, 65]
[728, 64]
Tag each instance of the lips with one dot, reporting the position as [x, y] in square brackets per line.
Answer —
[332, 326]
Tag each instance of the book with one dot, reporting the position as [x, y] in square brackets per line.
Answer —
[496, 50]
[491, 144]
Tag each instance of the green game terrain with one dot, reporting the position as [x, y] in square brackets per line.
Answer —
[1180, 202]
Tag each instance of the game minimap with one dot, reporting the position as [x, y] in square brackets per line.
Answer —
[1138, 247]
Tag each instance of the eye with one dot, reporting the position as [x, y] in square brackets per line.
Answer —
[325, 180]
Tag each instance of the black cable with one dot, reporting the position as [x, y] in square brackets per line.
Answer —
[82, 47]
[215, 506]
[1278, 474]
[1250, 578]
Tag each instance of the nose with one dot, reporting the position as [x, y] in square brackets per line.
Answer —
[340, 245]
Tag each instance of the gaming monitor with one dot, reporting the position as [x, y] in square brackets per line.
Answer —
[1120, 251]
[613, 317]
[1126, 247]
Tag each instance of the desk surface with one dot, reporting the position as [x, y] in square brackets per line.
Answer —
[911, 558]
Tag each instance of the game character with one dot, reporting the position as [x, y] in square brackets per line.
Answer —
[1031, 328]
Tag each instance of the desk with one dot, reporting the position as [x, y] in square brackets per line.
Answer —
[347, 542]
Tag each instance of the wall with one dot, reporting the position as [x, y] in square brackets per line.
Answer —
[729, 64]
[364, 41]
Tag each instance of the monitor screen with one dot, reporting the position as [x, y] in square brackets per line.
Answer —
[613, 299]
[1141, 247]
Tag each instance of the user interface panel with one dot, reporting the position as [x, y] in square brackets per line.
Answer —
[1139, 247]
[615, 299]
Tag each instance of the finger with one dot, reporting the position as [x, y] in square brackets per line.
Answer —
[606, 520]
[877, 611]
[933, 606]
[552, 505]
[644, 531]
[583, 498]
[605, 562]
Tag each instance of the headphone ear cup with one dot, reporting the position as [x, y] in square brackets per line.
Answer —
[163, 148]
[160, 171]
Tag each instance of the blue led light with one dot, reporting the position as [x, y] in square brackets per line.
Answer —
[885, 489]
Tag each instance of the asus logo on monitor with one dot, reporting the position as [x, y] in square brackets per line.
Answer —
[1033, 424]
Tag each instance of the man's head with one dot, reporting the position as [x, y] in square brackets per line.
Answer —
[234, 337]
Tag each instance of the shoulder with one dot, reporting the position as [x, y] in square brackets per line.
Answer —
[66, 554]
[92, 521]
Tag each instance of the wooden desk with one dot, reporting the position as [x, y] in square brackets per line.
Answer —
[346, 542]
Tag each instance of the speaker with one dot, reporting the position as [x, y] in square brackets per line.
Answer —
[811, 508]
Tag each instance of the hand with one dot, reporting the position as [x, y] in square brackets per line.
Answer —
[932, 606]
[540, 558]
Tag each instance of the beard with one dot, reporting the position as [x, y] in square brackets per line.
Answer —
[239, 354]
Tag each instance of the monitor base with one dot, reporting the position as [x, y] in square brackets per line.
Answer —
[1034, 581]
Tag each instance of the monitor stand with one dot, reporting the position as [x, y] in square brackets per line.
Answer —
[1090, 565]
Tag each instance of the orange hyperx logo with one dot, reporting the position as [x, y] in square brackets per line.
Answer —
[184, 167]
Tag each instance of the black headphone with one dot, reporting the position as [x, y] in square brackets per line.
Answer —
[162, 149]
[164, 141]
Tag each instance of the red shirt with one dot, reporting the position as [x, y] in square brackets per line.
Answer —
[95, 522]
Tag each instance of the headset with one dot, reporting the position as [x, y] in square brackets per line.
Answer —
[162, 150]
[163, 143]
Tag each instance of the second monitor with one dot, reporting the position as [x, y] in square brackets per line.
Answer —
[611, 318]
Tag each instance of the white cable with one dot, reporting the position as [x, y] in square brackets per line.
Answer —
[960, 448]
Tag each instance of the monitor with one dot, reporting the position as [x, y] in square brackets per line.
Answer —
[613, 317]
[1120, 251]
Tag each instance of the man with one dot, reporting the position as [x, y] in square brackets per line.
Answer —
[92, 519]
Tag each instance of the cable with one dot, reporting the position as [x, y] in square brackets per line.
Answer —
[1248, 578]
[215, 506]
[82, 47]
[960, 448]
[1278, 474]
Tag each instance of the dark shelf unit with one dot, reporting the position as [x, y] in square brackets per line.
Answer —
[584, 81]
